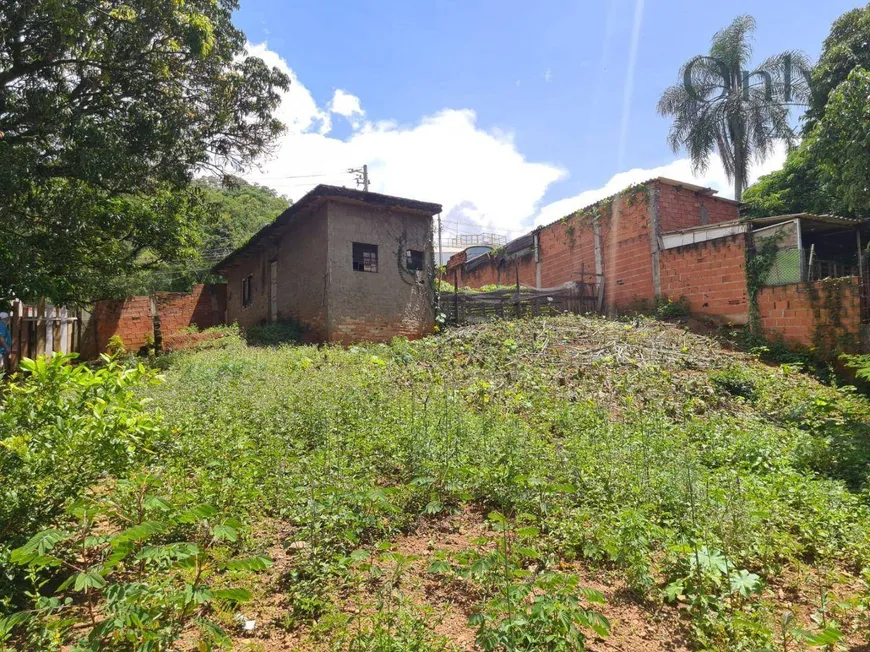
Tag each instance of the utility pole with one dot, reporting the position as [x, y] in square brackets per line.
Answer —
[362, 176]
[438, 268]
[440, 254]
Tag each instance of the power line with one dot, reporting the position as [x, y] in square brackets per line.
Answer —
[307, 176]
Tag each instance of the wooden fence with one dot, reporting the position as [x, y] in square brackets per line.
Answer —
[476, 307]
[43, 329]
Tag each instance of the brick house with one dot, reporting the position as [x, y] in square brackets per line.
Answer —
[668, 239]
[350, 265]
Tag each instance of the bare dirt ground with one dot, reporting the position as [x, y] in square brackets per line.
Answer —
[634, 626]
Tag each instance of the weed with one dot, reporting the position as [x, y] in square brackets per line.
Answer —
[275, 333]
[140, 583]
[698, 476]
[525, 607]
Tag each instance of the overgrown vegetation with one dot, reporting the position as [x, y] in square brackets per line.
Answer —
[275, 333]
[714, 486]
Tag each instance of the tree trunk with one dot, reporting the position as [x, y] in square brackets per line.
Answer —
[738, 185]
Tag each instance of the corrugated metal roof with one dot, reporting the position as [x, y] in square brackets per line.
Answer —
[835, 220]
[477, 261]
[325, 192]
[526, 241]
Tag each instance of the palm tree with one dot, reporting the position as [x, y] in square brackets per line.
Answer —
[720, 106]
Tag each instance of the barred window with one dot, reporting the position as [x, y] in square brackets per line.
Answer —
[414, 260]
[365, 257]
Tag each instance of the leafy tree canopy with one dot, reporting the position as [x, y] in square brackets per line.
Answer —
[828, 172]
[236, 210]
[841, 143]
[796, 188]
[107, 109]
[847, 47]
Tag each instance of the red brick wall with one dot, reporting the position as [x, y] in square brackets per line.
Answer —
[132, 320]
[803, 313]
[711, 275]
[567, 248]
[350, 330]
[628, 268]
[204, 306]
[567, 251]
[680, 208]
[498, 272]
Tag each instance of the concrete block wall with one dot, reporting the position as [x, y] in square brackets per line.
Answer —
[256, 266]
[824, 314]
[377, 306]
[712, 277]
[303, 273]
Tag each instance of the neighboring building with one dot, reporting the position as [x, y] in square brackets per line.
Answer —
[348, 264]
[474, 244]
[664, 239]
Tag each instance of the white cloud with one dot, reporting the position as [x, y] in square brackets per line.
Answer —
[298, 109]
[548, 75]
[680, 170]
[346, 104]
[478, 175]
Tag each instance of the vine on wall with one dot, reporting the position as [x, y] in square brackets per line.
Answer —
[759, 262]
[603, 210]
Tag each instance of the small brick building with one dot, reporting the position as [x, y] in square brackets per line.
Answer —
[349, 265]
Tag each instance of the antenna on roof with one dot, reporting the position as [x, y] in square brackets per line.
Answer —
[362, 176]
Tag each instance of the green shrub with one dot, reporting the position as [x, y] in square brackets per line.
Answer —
[525, 609]
[860, 363]
[115, 346]
[130, 570]
[667, 308]
[734, 381]
[606, 441]
[62, 426]
[275, 333]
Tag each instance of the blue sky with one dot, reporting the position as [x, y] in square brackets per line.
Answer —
[549, 104]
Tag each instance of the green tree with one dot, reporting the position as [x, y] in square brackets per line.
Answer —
[720, 106]
[847, 47]
[239, 210]
[799, 187]
[828, 172]
[840, 142]
[106, 112]
[236, 210]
